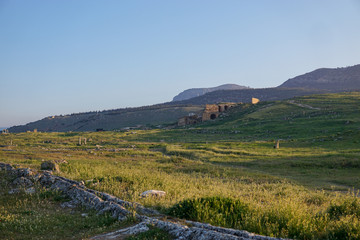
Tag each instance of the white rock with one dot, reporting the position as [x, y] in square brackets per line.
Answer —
[14, 191]
[120, 234]
[70, 204]
[153, 193]
[30, 190]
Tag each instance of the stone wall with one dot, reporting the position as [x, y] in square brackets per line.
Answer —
[189, 120]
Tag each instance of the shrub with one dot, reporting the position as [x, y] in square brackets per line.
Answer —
[214, 210]
[350, 206]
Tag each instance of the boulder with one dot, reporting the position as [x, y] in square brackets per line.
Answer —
[153, 193]
[14, 191]
[31, 190]
[22, 182]
[50, 165]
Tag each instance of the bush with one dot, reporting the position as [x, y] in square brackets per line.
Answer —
[214, 210]
[350, 206]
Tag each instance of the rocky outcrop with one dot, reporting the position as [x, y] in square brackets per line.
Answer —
[121, 210]
[138, 228]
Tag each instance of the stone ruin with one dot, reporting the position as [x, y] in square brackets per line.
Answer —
[189, 120]
[254, 100]
[121, 210]
[5, 131]
[212, 111]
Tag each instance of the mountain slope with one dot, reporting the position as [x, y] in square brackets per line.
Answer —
[322, 117]
[195, 92]
[110, 120]
[316, 82]
[245, 95]
[333, 79]
[156, 114]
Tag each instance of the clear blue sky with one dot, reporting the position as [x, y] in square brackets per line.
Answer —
[60, 57]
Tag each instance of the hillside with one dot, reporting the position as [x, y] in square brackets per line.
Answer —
[316, 82]
[154, 115]
[322, 117]
[196, 92]
[110, 120]
[245, 95]
[166, 113]
[317, 117]
[333, 79]
[227, 167]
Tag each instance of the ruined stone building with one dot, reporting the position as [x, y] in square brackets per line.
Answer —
[5, 131]
[211, 111]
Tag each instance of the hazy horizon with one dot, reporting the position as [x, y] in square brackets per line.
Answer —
[63, 57]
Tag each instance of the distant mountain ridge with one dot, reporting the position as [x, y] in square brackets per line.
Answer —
[333, 79]
[245, 95]
[323, 80]
[148, 116]
[196, 92]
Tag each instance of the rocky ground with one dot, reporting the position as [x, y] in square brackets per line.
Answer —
[25, 178]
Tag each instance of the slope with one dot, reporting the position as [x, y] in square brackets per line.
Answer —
[245, 95]
[322, 117]
[195, 92]
[111, 120]
[334, 79]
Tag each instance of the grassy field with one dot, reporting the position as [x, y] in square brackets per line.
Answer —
[226, 172]
[40, 216]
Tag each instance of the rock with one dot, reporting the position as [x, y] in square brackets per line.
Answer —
[50, 165]
[61, 161]
[14, 191]
[22, 182]
[6, 167]
[30, 190]
[277, 144]
[119, 234]
[105, 203]
[69, 204]
[24, 172]
[153, 193]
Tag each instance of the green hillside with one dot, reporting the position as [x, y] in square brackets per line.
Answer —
[225, 172]
[303, 117]
[319, 139]
[111, 119]
[316, 117]
[245, 95]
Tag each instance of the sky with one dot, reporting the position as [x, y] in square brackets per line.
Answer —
[62, 57]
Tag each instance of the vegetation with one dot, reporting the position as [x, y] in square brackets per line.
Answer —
[39, 216]
[226, 172]
[245, 95]
[215, 210]
[140, 117]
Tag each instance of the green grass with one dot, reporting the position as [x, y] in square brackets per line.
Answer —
[294, 191]
[214, 210]
[39, 216]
